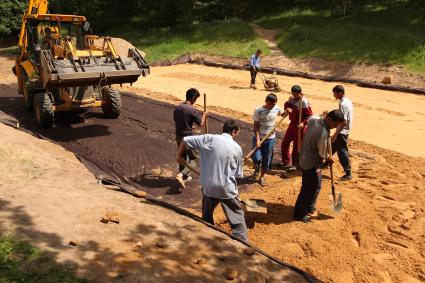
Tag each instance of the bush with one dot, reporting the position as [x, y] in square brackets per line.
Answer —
[11, 12]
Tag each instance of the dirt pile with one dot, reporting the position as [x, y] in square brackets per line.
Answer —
[379, 236]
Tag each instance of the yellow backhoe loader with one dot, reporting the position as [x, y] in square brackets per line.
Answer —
[61, 66]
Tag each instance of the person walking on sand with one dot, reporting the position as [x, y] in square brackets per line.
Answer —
[315, 155]
[221, 165]
[254, 67]
[340, 137]
[264, 120]
[184, 116]
[291, 135]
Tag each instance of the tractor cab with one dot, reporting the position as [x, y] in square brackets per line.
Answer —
[62, 67]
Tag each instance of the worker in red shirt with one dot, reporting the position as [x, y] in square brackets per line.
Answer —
[291, 134]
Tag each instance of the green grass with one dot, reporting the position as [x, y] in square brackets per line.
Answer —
[20, 262]
[379, 35]
[229, 38]
[9, 51]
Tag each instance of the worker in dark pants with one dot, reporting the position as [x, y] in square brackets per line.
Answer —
[314, 152]
[340, 137]
[185, 115]
[221, 165]
[264, 121]
[254, 67]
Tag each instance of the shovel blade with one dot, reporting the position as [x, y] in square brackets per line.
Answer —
[255, 205]
[336, 202]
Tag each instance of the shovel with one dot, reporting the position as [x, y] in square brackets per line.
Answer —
[266, 136]
[251, 205]
[255, 205]
[336, 197]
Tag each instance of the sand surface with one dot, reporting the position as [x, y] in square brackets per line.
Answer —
[391, 120]
[380, 235]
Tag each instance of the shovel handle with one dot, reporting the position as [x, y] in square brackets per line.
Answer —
[205, 110]
[300, 116]
[267, 136]
[194, 170]
[331, 168]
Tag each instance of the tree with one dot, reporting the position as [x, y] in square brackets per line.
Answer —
[11, 12]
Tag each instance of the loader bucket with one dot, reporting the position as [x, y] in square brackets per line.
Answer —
[91, 70]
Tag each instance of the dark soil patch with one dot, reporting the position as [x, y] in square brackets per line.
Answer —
[139, 145]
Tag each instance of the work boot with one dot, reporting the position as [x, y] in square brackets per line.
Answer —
[179, 178]
[305, 219]
[256, 170]
[262, 181]
[346, 178]
[313, 213]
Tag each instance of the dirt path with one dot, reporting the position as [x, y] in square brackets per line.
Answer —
[269, 36]
[49, 198]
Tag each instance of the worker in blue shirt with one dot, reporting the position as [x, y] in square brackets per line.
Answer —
[254, 67]
[221, 165]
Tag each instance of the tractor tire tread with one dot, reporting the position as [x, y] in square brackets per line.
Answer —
[112, 105]
[43, 101]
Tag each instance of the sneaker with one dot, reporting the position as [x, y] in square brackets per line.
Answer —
[256, 172]
[179, 179]
[188, 179]
[346, 178]
[262, 181]
[286, 166]
[305, 219]
[313, 213]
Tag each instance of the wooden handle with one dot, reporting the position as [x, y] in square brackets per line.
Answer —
[194, 170]
[300, 115]
[205, 110]
[331, 168]
[267, 136]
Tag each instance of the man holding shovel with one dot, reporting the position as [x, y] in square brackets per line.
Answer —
[184, 116]
[264, 120]
[314, 151]
[299, 111]
[340, 137]
[221, 164]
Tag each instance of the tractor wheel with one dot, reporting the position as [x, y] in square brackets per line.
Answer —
[112, 102]
[43, 110]
[27, 95]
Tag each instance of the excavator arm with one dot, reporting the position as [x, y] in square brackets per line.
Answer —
[35, 7]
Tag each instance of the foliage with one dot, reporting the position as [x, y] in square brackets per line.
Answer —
[392, 34]
[232, 38]
[11, 12]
